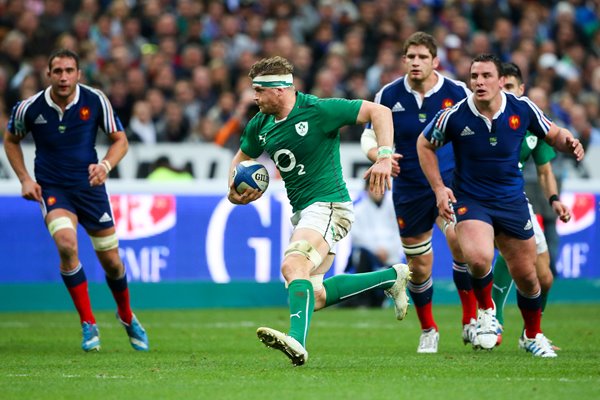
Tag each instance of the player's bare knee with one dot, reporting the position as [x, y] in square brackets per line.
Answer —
[66, 245]
[546, 281]
[113, 267]
[294, 266]
[300, 259]
[420, 270]
[320, 299]
[63, 232]
[527, 281]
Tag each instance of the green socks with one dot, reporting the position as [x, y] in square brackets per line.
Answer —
[343, 286]
[302, 304]
[501, 288]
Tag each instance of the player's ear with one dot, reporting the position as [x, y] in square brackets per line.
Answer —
[436, 62]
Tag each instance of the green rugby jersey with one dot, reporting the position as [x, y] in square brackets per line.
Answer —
[538, 149]
[305, 147]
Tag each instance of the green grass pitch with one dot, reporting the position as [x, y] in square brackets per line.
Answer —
[353, 354]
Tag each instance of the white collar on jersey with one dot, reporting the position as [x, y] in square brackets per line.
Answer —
[431, 91]
[475, 111]
[52, 104]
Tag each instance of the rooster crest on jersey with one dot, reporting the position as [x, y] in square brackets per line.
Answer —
[250, 175]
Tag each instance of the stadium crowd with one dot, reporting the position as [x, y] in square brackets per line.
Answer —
[175, 70]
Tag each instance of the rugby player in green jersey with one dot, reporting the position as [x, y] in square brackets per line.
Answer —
[300, 133]
[541, 153]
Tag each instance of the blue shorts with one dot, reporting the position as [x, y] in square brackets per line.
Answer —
[91, 205]
[416, 216]
[511, 218]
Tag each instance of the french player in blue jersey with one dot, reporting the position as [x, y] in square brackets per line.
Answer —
[69, 183]
[414, 99]
[541, 153]
[487, 198]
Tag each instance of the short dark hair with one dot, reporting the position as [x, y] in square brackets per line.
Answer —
[512, 69]
[63, 53]
[489, 58]
[421, 39]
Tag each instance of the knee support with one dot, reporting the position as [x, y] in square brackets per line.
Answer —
[105, 243]
[60, 223]
[418, 249]
[317, 281]
[446, 225]
[304, 248]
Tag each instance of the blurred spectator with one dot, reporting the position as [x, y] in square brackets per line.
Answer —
[163, 171]
[327, 84]
[184, 96]
[134, 41]
[582, 128]
[141, 128]
[176, 126]
[148, 50]
[12, 51]
[203, 89]
[228, 134]
[55, 19]
[121, 100]
[386, 58]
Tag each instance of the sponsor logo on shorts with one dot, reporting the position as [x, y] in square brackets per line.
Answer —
[105, 218]
[462, 210]
[401, 223]
[528, 226]
[51, 201]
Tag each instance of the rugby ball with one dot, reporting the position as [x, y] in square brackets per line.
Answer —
[250, 175]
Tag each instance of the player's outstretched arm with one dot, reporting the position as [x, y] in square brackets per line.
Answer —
[563, 140]
[250, 194]
[30, 189]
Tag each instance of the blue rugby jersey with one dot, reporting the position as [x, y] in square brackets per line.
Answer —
[64, 143]
[487, 152]
[411, 116]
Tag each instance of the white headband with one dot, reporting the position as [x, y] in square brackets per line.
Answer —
[273, 81]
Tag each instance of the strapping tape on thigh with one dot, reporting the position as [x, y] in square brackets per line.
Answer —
[60, 223]
[304, 248]
[418, 249]
[105, 243]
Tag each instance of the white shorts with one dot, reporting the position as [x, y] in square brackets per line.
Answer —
[332, 220]
[540, 238]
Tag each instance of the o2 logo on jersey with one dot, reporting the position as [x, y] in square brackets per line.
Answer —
[84, 113]
[447, 103]
[514, 122]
